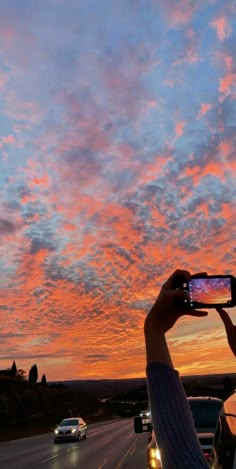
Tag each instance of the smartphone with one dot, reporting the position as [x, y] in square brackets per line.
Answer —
[211, 292]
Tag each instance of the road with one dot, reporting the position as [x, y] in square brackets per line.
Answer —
[110, 445]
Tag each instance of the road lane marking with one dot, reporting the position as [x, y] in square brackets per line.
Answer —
[105, 428]
[103, 464]
[105, 443]
[46, 460]
[133, 451]
[119, 466]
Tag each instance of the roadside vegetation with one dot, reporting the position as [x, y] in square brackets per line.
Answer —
[29, 405]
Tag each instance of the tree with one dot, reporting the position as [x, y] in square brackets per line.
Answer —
[33, 374]
[13, 369]
[21, 374]
[44, 380]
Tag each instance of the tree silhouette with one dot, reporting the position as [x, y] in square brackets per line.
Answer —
[13, 369]
[44, 380]
[33, 374]
[21, 374]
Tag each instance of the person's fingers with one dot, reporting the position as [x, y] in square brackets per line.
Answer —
[197, 313]
[176, 279]
[225, 317]
[179, 300]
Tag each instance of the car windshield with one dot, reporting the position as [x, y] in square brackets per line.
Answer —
[69, 423]
[205, 414]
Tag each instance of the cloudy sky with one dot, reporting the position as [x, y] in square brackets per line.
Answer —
[117, 165]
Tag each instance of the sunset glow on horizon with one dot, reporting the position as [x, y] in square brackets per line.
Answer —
[117, 166]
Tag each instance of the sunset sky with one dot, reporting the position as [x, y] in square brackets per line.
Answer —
[117, 166]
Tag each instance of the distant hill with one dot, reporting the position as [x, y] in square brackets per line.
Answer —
[104, 387]
[111, 387]
[209, 378]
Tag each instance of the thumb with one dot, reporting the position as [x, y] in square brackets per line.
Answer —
[225, 317]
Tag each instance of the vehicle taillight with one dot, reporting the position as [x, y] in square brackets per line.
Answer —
[207, 455]
[154, 458]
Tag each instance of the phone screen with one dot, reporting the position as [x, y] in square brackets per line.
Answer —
[210, 291]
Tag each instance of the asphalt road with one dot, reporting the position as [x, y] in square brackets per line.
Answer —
[109, 445]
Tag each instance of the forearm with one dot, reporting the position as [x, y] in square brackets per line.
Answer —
[156, 346]
[172, 420]
[169, 407]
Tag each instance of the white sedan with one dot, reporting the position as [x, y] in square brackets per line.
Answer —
[73, 428]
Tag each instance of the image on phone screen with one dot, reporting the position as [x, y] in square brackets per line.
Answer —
[210, 290]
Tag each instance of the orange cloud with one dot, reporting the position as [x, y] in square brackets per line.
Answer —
[69, 226]
[151, 170]
[204, 109]
[227, 82]
[26, 199]
[43, 181]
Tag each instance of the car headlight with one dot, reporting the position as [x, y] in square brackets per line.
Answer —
[56, 431]
[73, 430]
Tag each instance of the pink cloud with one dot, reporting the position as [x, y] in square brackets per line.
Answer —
[179, 128]
[41, 181]
[178, 13]
[69, 226]
[28, 112]
[227, 83]
[222, 27]
[229, 80]
[3, 81]
[226, 148]
[228, 63]
[204, 109]
[190, 49]
[9, 139]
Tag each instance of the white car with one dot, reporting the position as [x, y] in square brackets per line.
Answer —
[73, 428]
[146, 418]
